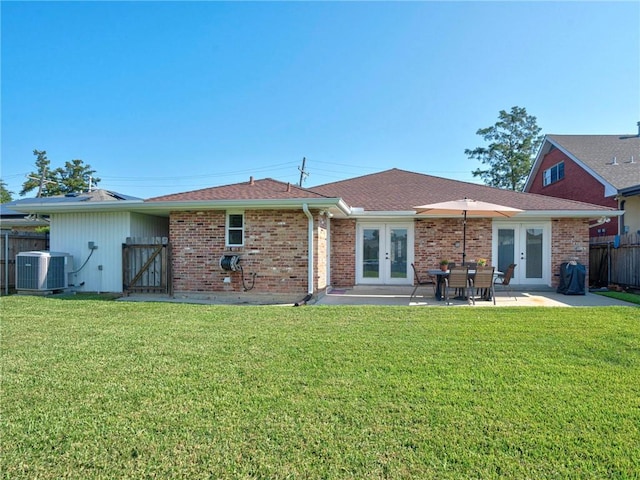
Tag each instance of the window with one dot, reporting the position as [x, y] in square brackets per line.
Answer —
[553, 174]
[235, 229]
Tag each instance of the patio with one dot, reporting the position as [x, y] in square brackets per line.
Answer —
[541, 297]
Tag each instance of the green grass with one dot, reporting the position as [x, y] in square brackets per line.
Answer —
[103, 389]
[624, 296]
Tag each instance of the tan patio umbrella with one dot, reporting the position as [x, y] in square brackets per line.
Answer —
[466, 207]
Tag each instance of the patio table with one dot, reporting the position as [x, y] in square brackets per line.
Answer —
[442, 274]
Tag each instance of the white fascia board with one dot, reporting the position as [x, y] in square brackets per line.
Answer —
[542, 151]
[245, 204]
[609, 190]
[540, 214]
[394, 214]
[45, 207]
[163, 208]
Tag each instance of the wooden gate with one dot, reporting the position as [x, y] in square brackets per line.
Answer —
[146, 265]
[615, 261]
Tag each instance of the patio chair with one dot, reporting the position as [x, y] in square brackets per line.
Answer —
[483, 283]
[459, 279]
[505, 280]
[419, 282]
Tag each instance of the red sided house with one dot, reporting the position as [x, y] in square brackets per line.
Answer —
[599, 169]
[295, 241]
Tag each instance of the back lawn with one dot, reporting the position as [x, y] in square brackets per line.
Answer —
[104, 389]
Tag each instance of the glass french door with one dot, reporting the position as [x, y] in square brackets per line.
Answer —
[384, 254]
[528, 245]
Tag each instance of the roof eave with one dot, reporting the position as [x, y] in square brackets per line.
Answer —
[164, 208]
[546, 214]
[45, 207]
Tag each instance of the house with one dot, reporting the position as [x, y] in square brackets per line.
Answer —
[294, 241]
[599, 169]
[12, 220]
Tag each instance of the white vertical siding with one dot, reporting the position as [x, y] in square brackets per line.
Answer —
[149, 226]
[72, 232]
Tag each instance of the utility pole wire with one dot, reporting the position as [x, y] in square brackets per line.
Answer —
[42, 181]
[303, 173]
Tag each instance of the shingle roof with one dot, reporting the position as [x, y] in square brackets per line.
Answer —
[264, 189]
[598, 151]
[395, 189]
[97, 195]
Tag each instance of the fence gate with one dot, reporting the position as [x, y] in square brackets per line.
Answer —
[615, 260]
[146, 265]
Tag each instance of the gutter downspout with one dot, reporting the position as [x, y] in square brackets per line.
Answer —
[6, 263]
[328, 251]
[305, 209]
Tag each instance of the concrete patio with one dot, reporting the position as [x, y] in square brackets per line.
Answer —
[370, 295]
[540, 297]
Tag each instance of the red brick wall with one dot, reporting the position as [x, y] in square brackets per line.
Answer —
[435, 239]
[343, 253]
[569, 241]
[276, 248]
[577, 184]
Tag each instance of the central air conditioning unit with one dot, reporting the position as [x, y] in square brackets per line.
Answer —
[42, 271]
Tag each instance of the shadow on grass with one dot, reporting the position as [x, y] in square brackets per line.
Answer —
[86, 296]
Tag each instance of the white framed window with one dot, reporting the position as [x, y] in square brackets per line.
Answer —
[235, 229]
[553, 174]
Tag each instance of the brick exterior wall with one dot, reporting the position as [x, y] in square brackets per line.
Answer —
[275, 248]
[435, 239]
[343, 253]
[577, 184]
[569, 241]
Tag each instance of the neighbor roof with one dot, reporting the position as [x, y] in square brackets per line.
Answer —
[400, 190]
[97, 195]
[596, 154]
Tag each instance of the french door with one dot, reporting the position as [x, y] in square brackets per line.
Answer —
[384, 252]
[528, 245]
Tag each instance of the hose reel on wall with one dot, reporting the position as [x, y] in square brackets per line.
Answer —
[231, 263]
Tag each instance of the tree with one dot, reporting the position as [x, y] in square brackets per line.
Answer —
[74, 177]
[5, 194]
[514, 141]
[42, 178]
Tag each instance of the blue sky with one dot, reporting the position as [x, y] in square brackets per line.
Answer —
[164, 97]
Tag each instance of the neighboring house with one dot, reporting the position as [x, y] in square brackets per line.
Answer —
[302, 240]
[599, 169]
[15, 221]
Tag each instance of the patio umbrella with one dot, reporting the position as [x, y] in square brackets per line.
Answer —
[466, 207]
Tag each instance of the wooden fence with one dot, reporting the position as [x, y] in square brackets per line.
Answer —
[615, 260]
[12, 243]
[146, 265]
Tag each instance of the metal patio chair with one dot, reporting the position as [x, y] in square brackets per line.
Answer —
[505, 280]
[459, 279]
[483, 283]
[419, 282]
